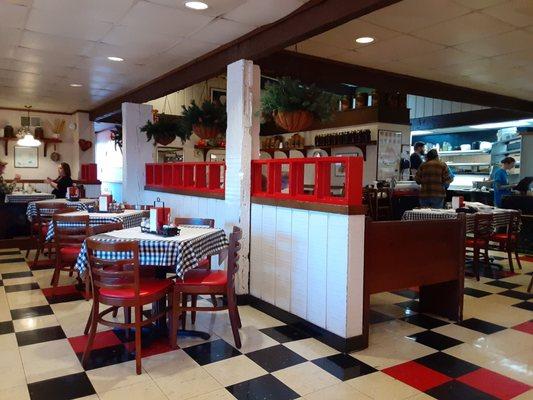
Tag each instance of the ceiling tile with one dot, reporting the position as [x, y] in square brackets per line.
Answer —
[463, 29]
[216, 7]
[261, 12]
[5, 63]
[399, 47]
[516, 59]
[516, 12]
[191, 48]
[221, 31]
[356, 58]
[39, 68]
[146, 17]
[50, 58]
[13, 15]
[410, 15]
[58, 44]
[478, 4]
[9, 36]
[101, 10]
[68, 25]
[503, 43]
[439, 58]
[129, 43]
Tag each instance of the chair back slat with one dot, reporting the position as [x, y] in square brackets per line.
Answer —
[106, 272]
[483, 226]
[233, 255]
[45, 211]
[104, 228]
[70, 230]
[515, 220]
[195, 221]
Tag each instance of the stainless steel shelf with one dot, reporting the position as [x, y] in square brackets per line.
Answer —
[463, 153]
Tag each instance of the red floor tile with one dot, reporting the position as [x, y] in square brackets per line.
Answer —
[60, 290]
[526, 327]
[101, 340]
[157, 346]
[417, 375]
[526, 258]
[494, 384]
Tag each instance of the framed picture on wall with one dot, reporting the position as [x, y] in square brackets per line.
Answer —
[26, 157]
[389, 154]
[217, 94]
[169, 154]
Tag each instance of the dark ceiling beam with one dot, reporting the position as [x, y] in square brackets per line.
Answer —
[466, 118]
[313, 18]
[322, 71]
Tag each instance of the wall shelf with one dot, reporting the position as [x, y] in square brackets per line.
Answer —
[328, 149]
[6, 140]
[45, 141]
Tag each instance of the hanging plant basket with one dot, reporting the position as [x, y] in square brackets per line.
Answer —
[164, 140]
[205, 132]
[294, 121]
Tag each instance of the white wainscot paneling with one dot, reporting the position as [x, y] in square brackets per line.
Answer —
[268, 254]
[300, 249]
[256, 260]
[283, 258]
[316, 272]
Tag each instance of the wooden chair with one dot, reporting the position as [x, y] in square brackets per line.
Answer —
[380, 203]
[216, 282]
[508, 241]
[480, 240]
[39, 225]
[205, 263]
[69, 233]
[117, 283]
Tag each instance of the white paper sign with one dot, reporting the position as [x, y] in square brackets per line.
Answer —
[153, 220]
[456, 201]
[102, 203]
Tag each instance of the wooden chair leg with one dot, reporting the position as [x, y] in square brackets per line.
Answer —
[92, 334]
[89, 320]
[183, 313]
[174, 300]
[486, 255]
[475, 263]
[518, 259]
[194, 302]
[27, 252]
[55, 276]
[237, 313]
[530, 284]
[214, 300]
[138, 319]
[127, 319]
[37, 252]
[115, 312]
[510, 257]
[232, 309]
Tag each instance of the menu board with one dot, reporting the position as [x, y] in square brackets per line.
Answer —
[389, 154]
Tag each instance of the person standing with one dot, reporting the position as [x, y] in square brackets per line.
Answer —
[501, 181]
[433, 176]
[416, 159]
[62, 182]
[6, 188]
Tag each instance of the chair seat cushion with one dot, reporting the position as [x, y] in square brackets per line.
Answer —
[204, 277]
[69, 253]
[147, 287]
[471, 242]
[501, 237]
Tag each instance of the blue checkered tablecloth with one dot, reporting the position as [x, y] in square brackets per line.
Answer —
[129, 219]
[27, 197]
[182, 252]
[81, 205]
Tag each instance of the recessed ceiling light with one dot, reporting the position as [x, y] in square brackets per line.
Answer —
[115, 58]
[364, 39]
[196, 5]
[76, 85]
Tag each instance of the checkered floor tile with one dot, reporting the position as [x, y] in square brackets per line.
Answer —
[411, 355]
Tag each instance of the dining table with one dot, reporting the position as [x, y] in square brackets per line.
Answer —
[129, 219]
[77, 205]
[21, 197]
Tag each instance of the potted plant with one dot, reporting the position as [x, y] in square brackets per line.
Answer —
[295, 106]
[165, 129]
[206, 121]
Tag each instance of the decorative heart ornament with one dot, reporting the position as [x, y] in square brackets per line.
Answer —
[85, 144]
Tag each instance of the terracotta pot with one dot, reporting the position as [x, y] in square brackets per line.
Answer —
[205, 132]
[164, 140]
[294, 121]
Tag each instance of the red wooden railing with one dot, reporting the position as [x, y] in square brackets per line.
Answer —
[267, 180]
[207, 177]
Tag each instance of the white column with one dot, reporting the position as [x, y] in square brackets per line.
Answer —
[242, 145]
[136, 151]
[84, 130]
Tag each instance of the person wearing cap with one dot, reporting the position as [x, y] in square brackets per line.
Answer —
[416, 159]
[6, 188]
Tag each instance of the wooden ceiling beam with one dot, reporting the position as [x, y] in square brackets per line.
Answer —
[318, 70]
[313, 18]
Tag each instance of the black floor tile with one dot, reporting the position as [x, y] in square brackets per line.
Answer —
[434, 340]
[12, 260]
[516, 294]
[266, 387]
[110, 355]
[11, 275]
[344, 366]
[448, 365]
[410, 294]
[526, 305]
[502, 284]
[454, 390]
[475, 292]
[63, 388]
[377, 317]
[424, 321]
[275, 358]
[10, 253]
[21, 287]
[285, 333]
[411, 305]
[30, 312]
[64, 298]
[481, 326]
[6, 327]
[26, 338]
[210, 352]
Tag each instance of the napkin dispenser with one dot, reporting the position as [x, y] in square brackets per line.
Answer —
[73, 193]
[159, 216]
[458, 202]
[104, 201]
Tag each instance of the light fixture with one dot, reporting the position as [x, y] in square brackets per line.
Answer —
[364, 39]
[28, 140]
[497, 125]
[76, 85]
[112, 58]
[196, 5]
[421, 132]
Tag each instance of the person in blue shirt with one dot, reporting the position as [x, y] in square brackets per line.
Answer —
[501, 181]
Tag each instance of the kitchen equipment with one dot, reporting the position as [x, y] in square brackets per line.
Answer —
[475, 145]
[485, 146]
[466, 147]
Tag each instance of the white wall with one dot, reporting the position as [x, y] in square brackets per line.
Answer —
[420, 106]
[310, 264]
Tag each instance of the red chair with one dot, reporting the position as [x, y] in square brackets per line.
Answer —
[480, 240]
[508, 241]
[216, 282]
[69, 233]
[39, 225]
[117, 283]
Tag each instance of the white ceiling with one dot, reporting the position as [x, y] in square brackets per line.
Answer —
[481, 44]
[45, 45]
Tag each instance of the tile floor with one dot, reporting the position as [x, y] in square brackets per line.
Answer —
[411, 356]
